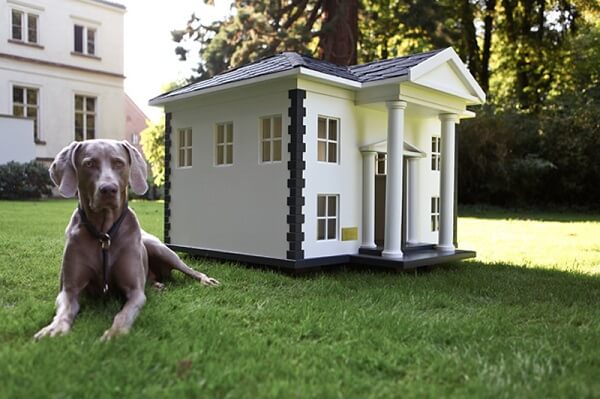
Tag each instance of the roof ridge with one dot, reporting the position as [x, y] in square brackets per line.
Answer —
[351, 67]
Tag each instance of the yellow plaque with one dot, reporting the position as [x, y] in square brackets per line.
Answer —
[349, 233]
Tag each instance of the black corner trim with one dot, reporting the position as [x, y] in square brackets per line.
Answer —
[167, 187]
[296, 167]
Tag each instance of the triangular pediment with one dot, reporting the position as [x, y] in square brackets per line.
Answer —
[445, 72]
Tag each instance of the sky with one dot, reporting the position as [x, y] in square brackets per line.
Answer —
[150, 59]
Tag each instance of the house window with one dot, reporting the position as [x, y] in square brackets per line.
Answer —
[270, 139]
[381, 165]
[435, 153]
[85, 118]
[24, 26]
[185, 148]
[327, 139]
[85, 40]
[435, 213]
[26, 104]
[224, 144]
[327, 217]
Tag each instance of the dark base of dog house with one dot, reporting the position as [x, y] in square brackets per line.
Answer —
[413, 258]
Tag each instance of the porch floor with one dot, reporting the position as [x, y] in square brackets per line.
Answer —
[412, 258]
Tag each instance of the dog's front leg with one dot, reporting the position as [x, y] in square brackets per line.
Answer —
[67, 306]
[125, 318]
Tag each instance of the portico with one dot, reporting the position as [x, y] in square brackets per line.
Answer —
[403, 196]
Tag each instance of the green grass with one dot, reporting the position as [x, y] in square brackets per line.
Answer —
[522, 320]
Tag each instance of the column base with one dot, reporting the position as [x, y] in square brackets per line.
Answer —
[392, 254]
[368, 246]
[446, 248]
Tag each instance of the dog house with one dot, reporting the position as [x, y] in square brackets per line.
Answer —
[297, 163]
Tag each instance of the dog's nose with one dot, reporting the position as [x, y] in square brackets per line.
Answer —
[108, 189]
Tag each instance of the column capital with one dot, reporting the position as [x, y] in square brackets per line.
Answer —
[367, 151]
[396, 104]
[449, 117]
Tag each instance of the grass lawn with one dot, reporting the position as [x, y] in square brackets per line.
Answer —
[521, 320]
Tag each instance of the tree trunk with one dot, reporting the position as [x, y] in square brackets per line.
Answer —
[470, 38]
[339, 34]
[488, 26]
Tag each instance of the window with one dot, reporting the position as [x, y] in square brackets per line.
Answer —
[435, 213]
[185, 148]
[327, 139]
[25, 104]
[381, 163]
[85, 40]
[24, 26]
[435, 153]
[224, 144]
[327, 217]
[270, 139]
[85, 118]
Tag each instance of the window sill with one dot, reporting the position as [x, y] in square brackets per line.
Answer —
[40, 142]
[183, 167]
[26, 44]
[83, 55]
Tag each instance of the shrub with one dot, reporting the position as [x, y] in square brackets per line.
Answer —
[24, 180]
[515, 158]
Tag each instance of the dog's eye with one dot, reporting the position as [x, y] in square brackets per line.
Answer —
[117, 163]
[89, 163]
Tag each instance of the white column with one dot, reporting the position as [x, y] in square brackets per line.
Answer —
[392, 246]
[412, 219]
[446, 233]
[368, 198]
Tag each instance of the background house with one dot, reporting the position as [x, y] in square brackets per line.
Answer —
[135, 121]
[61, 64]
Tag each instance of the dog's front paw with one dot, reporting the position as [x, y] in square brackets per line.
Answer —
[52, 330]
[209, 280]
[112, 333]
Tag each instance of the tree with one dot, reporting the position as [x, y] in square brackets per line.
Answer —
[259, 29]
[153, 143]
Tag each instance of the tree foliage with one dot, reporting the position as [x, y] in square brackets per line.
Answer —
[153, 143]
[538, 61]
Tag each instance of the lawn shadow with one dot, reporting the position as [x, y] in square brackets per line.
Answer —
[555, 215]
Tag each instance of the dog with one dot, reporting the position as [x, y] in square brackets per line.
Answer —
[106, 250]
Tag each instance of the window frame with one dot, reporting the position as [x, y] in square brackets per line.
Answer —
[328, 141]
[271, 140]
[327, 217]
[226, 144]
[435, 214]
[381, 164]
[84, 40]
[25, 28]
[25, 105]
[436, 153]
[85, 114]
[186, 146]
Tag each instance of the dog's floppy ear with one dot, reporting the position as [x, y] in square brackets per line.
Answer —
[62, 171]
[138, 172]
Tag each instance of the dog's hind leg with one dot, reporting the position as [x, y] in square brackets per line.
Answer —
[161, 260]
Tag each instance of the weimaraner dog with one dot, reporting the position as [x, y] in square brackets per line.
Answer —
[106, 250]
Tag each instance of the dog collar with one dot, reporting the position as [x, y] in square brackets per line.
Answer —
[104, 239]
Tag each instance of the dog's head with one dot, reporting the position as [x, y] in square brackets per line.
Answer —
[100, 171]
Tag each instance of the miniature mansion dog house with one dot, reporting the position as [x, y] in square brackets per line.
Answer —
[296, 163]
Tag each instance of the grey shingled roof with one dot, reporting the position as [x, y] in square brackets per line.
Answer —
[370, 72]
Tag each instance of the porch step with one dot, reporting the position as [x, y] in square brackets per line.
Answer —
[408, 249]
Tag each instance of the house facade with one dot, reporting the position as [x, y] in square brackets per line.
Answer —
[61, 65]
[298, 163]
